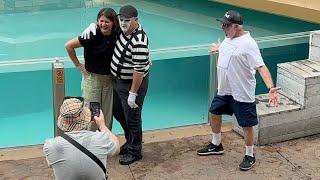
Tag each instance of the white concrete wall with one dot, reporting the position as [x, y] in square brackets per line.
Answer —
[314, 46]
[307, 10]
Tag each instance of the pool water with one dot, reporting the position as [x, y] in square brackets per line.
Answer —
[179, 35]
[41, 34]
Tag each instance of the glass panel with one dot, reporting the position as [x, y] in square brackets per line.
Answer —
[33, 32]
[26, 114]
[280, 49]
[177, 94]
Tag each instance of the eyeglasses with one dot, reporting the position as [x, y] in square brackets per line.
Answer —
[73, 114]
[224, 25]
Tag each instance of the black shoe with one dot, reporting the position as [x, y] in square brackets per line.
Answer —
[247, 163]
[127, 159]
[211, 149]
[123, 149]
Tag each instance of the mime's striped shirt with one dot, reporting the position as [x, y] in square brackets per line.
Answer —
[136, 57]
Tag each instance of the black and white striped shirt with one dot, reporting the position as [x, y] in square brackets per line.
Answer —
[136, 57]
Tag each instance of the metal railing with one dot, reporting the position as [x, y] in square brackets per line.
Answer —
[160, 51]
[63, 62]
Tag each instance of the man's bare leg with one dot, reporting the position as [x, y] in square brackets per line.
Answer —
[215, 146]
[215, 123]
[249, 160]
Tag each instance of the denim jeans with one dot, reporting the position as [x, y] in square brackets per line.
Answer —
[129, 118]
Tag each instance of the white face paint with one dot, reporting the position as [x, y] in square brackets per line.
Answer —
[124, 23]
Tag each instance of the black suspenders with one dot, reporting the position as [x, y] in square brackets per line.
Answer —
[86, 151]
[125, 49]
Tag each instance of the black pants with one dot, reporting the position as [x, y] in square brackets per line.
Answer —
[129, 118]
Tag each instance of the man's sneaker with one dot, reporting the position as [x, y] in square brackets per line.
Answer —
[247, 163]
[211, 149]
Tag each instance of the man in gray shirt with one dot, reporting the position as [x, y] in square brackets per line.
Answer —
[67, 161]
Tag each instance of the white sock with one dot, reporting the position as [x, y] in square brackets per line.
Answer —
[216, 138]
[249, 150]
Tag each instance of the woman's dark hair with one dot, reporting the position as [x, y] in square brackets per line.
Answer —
[110, 14]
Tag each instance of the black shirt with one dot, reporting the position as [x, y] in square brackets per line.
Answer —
[98, 51]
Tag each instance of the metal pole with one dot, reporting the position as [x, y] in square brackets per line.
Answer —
[58, 92]
[213, 82]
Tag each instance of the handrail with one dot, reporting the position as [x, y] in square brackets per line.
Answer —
[36, 61]
[284, 36]
[163, 50]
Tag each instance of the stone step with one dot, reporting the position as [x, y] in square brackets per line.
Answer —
[285, 104]
[300, 81]
[287, 121]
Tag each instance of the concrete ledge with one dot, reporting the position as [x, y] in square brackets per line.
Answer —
[285, 105]
[314, 39]
[300, 81]
[29, 152]
[271, 119]
[307, 11]
[299, 112]
[314, 53]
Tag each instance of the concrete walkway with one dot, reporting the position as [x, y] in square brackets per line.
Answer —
[177, 159]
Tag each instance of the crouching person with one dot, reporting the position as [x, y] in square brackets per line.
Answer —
[68, 161]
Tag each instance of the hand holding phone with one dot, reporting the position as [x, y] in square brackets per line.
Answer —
[95, 109]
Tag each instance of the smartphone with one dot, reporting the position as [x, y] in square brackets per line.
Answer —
[95, 109]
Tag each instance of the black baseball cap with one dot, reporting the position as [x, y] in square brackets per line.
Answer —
[128, 11]
[231, 17]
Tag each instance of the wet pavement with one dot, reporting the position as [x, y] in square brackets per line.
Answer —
[177, 159]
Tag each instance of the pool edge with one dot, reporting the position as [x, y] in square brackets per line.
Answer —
[35, 151]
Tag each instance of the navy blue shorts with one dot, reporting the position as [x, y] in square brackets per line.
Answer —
[246, 113]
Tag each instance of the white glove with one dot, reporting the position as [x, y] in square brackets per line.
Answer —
[132, 100]
[91, 28]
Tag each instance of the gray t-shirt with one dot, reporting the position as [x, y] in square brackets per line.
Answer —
[69, 163]
[239, 58]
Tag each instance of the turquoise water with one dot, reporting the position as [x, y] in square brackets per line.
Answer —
[40, 34]
[171, 101]
[179, 80]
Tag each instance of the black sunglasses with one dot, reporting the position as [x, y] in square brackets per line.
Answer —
[224, 25]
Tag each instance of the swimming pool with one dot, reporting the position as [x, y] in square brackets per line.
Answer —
[179, 35]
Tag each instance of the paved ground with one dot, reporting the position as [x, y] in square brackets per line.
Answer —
[176, 159]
